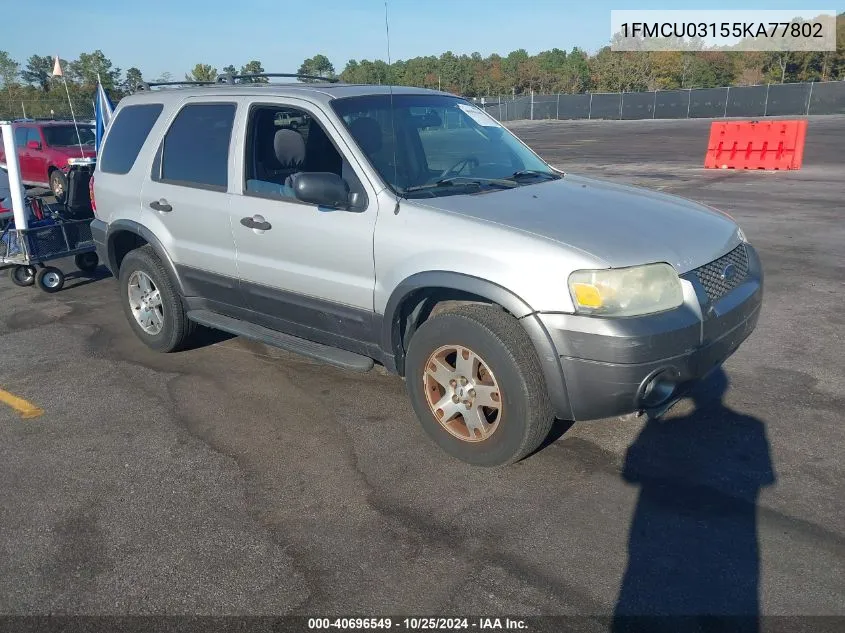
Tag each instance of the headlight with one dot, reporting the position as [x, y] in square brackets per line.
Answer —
[741, 235]
[626, 291]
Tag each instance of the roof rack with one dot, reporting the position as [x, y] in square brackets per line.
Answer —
[229, 78]
[30, 119]
[146, 85]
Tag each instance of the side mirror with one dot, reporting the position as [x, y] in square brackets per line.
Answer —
[324, 189]
[33, 145]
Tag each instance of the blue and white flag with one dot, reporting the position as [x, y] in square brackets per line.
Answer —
[103, 109]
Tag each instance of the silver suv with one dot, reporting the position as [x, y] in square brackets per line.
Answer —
[409, 228]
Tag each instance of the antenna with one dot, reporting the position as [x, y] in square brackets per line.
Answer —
[392, 114]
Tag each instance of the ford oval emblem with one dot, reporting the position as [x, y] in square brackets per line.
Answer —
[729, 272]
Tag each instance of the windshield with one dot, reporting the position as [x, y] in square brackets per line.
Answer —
[65, 135]
[442, 145]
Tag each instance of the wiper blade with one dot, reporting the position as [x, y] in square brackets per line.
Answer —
[534, 173]
[463, 180]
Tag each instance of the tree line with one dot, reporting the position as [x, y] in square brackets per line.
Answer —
[576, 71]
[30, 85]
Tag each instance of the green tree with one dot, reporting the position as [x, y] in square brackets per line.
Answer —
[89, 66]
[319, 65]
[202, 72]
[230, 69]
[349, 74]
[575, 76]
[252, 68]
[133, 78]
[511, 68]
[9, 69]
[164, 77]
[39, 71]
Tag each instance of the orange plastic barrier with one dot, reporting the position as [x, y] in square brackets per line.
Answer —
[756, 145]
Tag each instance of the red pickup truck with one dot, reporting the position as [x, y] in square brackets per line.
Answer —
[44, 149]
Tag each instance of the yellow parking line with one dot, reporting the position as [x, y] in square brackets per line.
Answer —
[25, 408]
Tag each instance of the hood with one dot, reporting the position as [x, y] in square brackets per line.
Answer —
[619, 224]
[73, 151]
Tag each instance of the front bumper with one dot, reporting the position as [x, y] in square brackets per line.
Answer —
[608, 363]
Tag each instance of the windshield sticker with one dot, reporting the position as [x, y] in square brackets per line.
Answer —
[479, 116]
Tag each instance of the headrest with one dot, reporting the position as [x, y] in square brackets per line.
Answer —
[289, 148]
[367, 132]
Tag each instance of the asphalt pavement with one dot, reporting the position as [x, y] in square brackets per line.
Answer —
[238, 479]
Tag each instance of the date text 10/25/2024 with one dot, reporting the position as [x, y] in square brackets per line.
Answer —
[416, 624]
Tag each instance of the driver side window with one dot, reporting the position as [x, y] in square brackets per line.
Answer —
[283, 141]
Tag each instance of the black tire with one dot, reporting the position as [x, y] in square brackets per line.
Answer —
[492, 334]
[58, 185]
[87, 262]
[23, 276]
[176, 329]
[50, 279]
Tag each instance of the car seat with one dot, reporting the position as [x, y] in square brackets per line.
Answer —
[288, 156]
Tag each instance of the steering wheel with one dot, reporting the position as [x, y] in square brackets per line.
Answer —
[458, 167]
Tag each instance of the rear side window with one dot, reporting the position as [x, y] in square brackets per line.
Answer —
[127, 134]
[21, 136]
[195, 151]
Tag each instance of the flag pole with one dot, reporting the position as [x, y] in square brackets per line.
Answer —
[70, 103]
[73, 116]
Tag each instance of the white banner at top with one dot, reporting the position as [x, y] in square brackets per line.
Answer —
[728, 30]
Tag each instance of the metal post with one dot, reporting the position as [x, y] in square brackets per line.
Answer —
[689, 101]
[621, 101]
[23, 107]
[14, 170]
[654, 105]
[809, 98]
[557, 116]
[73, 116]
[532, 104]
[590, 111]
[766, 106]
[727, 98]
[500, 107]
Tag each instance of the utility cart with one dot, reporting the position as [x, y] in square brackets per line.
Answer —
[52, 234]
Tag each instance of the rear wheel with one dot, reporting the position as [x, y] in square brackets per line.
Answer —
[58, 185]
[23, 275]
[477, 386]
[87, 262]
[152, 305]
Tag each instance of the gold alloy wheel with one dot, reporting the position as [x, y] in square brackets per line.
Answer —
[462, 393]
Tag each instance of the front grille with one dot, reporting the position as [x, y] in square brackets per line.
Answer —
[712, 276]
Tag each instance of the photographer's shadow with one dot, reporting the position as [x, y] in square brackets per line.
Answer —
[693, 555]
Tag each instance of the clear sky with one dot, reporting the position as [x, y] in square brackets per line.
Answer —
[173, 35]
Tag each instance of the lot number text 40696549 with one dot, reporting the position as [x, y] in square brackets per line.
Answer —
[416, 624]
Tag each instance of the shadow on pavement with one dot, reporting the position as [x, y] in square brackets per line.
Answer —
[693, 555]
[77, 278]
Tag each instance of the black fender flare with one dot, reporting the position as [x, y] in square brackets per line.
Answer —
[391, 342]
[149, 237]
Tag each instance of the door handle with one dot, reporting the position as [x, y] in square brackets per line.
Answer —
[161, 206]
[256, 222]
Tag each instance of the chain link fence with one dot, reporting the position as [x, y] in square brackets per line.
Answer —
[45, 107]
[799, 99]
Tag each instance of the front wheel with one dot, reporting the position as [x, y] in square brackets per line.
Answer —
[58, 185]
[50, 279]
[151, 303]
[477, 387]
